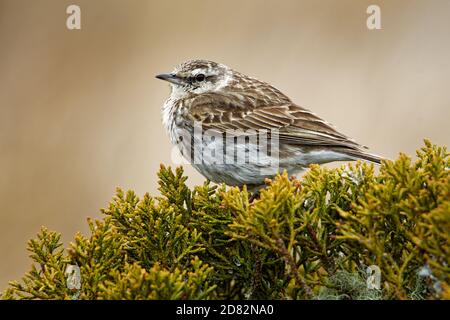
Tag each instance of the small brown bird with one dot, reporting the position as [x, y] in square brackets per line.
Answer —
[237, 130]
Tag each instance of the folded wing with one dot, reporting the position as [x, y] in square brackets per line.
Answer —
[293, 124]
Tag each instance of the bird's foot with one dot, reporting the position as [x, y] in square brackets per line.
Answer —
[254, 192]
[254, 196]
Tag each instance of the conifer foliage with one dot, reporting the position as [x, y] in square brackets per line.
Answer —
[308, 238]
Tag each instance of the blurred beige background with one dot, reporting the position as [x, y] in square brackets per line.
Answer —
[80, 110]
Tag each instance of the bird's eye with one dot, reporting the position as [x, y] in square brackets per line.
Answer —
[200, 77]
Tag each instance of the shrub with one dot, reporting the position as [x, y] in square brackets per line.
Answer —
[311, 238]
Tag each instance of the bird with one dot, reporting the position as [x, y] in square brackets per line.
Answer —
[238, 130]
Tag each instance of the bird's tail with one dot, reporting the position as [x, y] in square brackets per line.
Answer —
[360, 154]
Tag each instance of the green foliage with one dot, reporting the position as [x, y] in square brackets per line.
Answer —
[343, 285]
[311, 238]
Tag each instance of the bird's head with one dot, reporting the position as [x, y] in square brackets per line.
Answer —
[197, 77]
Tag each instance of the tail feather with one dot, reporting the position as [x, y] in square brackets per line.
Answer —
[360, 154]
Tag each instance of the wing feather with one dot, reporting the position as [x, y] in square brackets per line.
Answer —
[295, 125]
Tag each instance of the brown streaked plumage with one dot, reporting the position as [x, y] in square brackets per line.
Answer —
[222, 99]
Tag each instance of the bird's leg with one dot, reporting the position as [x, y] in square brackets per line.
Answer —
[255, 192]
[254, 196]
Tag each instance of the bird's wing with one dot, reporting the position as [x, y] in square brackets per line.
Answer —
[293, 124]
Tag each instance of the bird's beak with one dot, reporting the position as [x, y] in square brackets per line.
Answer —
[171, 77]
